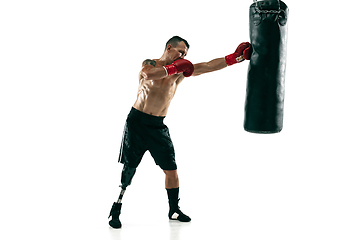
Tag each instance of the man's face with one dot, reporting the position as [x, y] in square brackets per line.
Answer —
[178, 52]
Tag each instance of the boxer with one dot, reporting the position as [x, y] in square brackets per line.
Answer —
[144, 129]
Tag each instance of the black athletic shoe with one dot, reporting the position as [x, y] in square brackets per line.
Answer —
[176, 214]
[114, 214]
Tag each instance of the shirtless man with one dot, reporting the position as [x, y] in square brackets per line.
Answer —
[144, 128]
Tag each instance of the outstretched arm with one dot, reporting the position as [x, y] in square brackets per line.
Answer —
[242, 52]
[213, 65]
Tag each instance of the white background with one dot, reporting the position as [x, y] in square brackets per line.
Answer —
[69, 75]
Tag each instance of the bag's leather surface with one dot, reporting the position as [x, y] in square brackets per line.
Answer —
[264, 106]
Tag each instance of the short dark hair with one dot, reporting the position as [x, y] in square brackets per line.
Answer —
[175, 40]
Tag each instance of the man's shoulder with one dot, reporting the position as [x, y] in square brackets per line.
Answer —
[151, 62]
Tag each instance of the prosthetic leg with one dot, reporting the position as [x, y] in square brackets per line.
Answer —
[126, 177]
[264, 106]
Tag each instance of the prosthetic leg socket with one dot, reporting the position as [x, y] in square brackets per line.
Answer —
[127, 176]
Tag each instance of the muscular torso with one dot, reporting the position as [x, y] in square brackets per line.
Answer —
[154, 96]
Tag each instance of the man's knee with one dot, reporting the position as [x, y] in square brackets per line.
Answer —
[171, 174]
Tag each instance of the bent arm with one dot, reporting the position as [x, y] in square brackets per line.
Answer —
[213, 65]
[151, 72]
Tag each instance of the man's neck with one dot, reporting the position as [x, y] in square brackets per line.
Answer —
[165, 60]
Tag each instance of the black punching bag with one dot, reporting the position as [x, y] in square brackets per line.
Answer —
[264, 105]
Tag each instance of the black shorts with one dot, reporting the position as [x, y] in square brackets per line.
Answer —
[144, 132]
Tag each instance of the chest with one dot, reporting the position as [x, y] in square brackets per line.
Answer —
[165, 84]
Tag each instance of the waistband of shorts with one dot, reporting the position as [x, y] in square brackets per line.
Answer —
[145, 116]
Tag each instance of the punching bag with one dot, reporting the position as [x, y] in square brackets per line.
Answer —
[264, 105]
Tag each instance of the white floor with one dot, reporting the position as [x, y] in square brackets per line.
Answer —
[274, 198]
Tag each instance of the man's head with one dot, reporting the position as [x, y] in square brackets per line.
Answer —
[177, 48]
[175, 40]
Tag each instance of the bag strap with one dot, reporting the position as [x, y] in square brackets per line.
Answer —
[267, 11]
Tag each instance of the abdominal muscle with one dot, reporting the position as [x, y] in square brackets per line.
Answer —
[154, 96]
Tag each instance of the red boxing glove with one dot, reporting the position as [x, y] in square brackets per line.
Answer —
[244, 49]
[180, 66]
